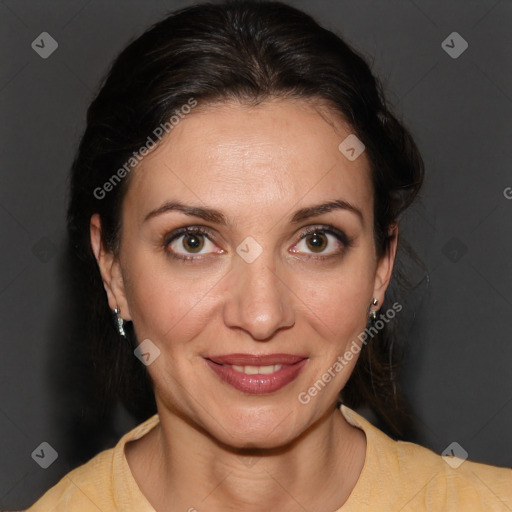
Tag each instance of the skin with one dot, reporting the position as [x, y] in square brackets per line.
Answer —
[216, 448]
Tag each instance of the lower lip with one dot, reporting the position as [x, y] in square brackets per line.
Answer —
[257, 384]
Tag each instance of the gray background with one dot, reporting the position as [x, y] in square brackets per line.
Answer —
[457, 375]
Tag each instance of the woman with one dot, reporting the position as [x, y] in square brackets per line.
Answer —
[235, 201]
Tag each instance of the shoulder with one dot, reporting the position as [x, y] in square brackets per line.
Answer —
[104, 483]
[405, 476]
[451, 482]
[87, 487]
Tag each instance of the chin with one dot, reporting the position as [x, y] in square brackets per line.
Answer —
[260, 440]
[262, 428]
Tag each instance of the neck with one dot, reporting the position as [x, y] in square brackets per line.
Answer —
[183, 468]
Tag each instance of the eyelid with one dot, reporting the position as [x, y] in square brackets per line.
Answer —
[202, 230]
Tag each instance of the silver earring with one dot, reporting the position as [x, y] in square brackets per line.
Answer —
[119, 322]
[373, 314]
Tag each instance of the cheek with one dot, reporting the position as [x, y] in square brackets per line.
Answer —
[338, 302]
[166, 301]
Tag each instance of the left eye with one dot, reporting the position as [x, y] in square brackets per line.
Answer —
[317, 241]
[193, 242]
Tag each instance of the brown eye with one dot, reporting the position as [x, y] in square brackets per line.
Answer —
[317, 242]
[325, 241]
[193, 242]
[184, 243]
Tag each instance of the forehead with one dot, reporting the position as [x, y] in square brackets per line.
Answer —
[241, 159]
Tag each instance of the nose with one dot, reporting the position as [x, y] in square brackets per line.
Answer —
[258, 299]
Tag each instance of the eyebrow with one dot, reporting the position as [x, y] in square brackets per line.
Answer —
[217, 217]
[314, 211]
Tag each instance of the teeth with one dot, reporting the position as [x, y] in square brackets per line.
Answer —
[253, 370]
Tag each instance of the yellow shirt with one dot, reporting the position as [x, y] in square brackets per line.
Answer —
[397, 477]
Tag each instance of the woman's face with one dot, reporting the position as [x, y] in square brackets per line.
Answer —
[254, 284]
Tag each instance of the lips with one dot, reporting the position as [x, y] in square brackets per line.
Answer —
[257, 374]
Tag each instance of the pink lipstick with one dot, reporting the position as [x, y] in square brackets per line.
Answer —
[257, 374]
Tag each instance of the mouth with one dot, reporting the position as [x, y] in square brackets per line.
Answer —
[257, 374]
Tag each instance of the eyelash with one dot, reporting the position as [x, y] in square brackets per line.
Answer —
[201, 230]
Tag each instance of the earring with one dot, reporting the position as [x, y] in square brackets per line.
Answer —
[373, 314]
[119, 322]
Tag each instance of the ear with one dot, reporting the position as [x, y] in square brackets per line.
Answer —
[110, 269]
[385, 265]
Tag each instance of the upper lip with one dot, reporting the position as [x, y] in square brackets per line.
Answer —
[256, 360]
